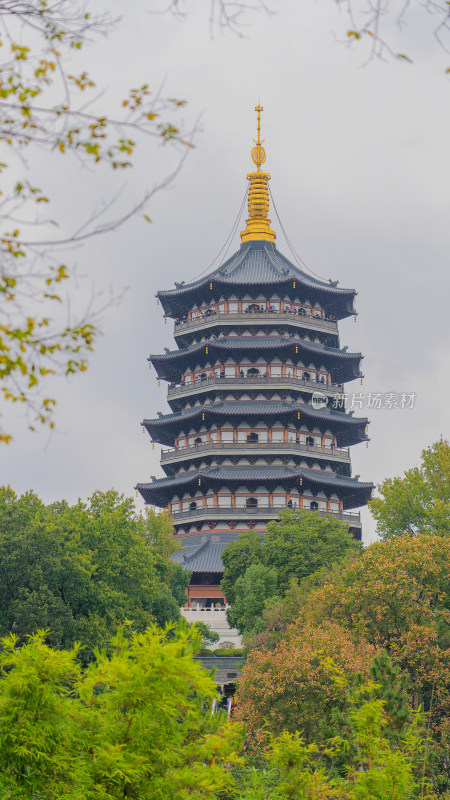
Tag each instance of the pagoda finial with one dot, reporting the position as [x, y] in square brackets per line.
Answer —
[258, 152]
[258, 224]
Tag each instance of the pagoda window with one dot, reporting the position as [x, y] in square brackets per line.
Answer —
[279, 498]
[275, 370]
[314, 505]
[251, 502]
[252, 437]
[253, 372]
[306, 376]
[277, 434]
[295, 500]
[227, 435]
[198, 441]
[193, 506]
[309, 441]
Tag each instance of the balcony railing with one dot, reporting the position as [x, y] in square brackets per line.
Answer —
[272, 382]
[307, 320]
[217, 447]
[263, 512]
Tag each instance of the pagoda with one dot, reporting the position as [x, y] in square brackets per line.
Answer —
[256, 385]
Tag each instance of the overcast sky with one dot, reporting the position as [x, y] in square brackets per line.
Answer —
[359, 160]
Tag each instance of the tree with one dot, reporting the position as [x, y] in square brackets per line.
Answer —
[253, 590]
[397, 597]
[378, 25]
[289, 687]
[82, 571]
[208, 635]
[302, 543]
[298, 545]
[373, 767]
[49, 104]
[419, 502]
[236, 557]
[134, 724]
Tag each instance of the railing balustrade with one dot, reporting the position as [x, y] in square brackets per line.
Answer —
[259, 511]
[258, 380]
[214, 447]
[181, 325]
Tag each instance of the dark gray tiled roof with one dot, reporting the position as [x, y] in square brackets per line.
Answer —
[204, 558]
[258, 263]
[258, 343]
[255, 408]
[262, 474]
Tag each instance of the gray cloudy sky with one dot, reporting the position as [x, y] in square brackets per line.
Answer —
[359, 160]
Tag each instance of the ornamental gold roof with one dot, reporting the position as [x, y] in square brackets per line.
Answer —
[258, 224]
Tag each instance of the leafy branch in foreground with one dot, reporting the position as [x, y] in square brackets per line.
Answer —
[134, 724]
[377, 24]
[48, 109]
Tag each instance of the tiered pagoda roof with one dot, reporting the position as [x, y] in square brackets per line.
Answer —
[261, 265]
[343, 366]
[353, 492]
[349, 429]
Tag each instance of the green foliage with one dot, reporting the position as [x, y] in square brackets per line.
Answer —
[134, 724]
[207, 634]
[237, 556]
[419, 502]
[82, 571]
[302, 542]
[392, 687]
[50, 105]
[296, 547]
[373, 766]
[230, 652]
[256, 586]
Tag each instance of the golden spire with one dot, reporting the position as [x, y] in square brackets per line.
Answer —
[258, 224]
